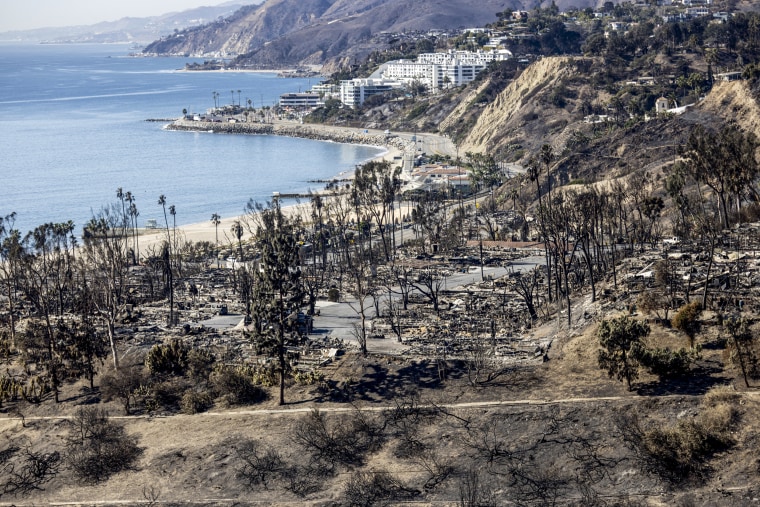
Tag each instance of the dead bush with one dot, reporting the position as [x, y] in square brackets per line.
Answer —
[472, 491]
[720, 394]
[438, 468]
[304, 480]
[365, 489]
[34, 470]
[97, 448]
[260, 465]
[345, 443]
[405, 420]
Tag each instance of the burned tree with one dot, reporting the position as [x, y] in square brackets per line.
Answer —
[373, 193]
[107, 263]
[726, 162]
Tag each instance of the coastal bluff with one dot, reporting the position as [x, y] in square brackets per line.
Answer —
[315, 132]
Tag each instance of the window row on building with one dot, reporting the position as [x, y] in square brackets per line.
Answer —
[433, 70]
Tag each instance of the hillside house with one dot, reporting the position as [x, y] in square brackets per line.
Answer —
[729, 76]
[661, 105]
[434, 177]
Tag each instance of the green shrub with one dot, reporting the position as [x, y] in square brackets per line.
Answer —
[200, 363]
[168, 394]
[687, 320]
[417, 111]
[235, 386]
[680, 451]
[169, 359]
[308, 378]
[666, 363]
[194, 402]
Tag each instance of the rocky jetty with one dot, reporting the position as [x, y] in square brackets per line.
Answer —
[317, 133]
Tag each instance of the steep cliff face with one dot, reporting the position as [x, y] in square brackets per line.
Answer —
[734, 100]
[539, 107]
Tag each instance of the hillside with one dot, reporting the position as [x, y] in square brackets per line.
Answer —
[577, 328]
[293, 32]
[130, 29]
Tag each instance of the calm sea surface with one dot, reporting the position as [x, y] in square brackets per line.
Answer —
[73, 130]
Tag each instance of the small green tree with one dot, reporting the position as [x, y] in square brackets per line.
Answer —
[620, 338]
[277, 289]
[687, 320]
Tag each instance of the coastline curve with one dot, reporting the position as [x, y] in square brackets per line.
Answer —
[314, 132]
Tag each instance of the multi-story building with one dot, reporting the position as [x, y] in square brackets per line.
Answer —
[441, 70]
[299, 100]
[479, 57]
[354, 92]
[325, 90]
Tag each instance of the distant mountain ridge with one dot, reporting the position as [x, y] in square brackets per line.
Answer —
[128, 29]
[295, 32]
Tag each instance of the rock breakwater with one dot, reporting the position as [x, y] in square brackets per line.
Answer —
[317, 133]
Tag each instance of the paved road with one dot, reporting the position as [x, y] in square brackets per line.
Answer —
[336, 320]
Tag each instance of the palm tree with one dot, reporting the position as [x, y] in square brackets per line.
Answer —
[682, 83]
[123, 224]
[162, 203]
[132, 214]
[215, 94]
[175, 245]
[237, 230]
[173, 213]
[167, 260]
[216, 220]
[238, 92]
[120, 197]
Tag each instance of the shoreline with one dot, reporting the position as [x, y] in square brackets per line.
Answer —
[394, 148]
[231, 71]
[316, 132]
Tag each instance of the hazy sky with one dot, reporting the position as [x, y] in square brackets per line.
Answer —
[26, 14]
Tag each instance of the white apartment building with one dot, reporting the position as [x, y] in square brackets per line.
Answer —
[354, 92]
[479, 57]
[407, 71]
[325, 90]
[441, 70]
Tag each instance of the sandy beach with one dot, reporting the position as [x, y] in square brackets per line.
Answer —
[394, 146]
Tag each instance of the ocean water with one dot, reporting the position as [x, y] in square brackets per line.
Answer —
[73, 130]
